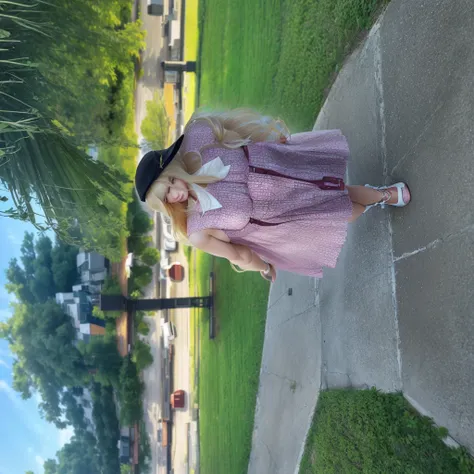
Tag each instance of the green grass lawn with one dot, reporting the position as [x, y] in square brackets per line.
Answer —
[229, 365]
[198, 285]
[280, 56]
[277, 55]
[371, 432]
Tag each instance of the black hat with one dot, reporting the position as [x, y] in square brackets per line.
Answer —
[152, 165]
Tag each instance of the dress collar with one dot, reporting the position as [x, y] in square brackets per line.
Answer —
[216, 169]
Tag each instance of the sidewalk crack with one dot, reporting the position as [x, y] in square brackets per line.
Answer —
[435, 243]
[272, 460]
[290, 318]
[277, 300]
[281, 377]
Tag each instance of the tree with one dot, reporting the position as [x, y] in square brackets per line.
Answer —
[130, 393]
[57, 98]
[144, 449]
[139, 225]
[50, 466]
[28, 254]
[42, 284]
[75, 458]
[138, 244]
[111, 329]
[111, 286]
[48, 359]
[87, 453]
[40, 333]
[155, 127]
[42, 338]
[98, 313]
[64, 266]
[104, 414]
[150, 256]
[141, 276]
[102, 359]
[142, 355]
[74, 411]
[143, 328]
[46, 269]
[18, 283]
[79, 456]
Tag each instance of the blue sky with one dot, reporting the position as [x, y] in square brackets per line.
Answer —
[26, 439]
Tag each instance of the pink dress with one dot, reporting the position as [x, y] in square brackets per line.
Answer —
[286, 220]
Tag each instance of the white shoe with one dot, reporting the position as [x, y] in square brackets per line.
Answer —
[403, 193]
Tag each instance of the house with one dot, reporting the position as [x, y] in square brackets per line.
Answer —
[85, 400]
[92, 268]
[78, 304]
[125, 444]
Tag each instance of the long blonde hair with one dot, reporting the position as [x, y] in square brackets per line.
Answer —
[232, 129]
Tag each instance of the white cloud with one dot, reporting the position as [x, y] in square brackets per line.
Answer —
[13, 238]
[39, 460]
[21, 405]
[2, 362]
[11, 394]
[65, 436]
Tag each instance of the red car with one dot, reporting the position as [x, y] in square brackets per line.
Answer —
[176, 272]
[178, 399]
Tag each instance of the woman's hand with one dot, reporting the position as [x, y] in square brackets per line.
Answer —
[271, 275]
[283, 139]
[239, 255]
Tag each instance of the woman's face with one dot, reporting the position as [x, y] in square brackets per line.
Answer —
[176, 190]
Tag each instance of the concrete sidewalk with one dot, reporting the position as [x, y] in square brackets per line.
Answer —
[398, 310]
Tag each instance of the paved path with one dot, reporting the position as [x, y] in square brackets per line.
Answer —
[398, 310]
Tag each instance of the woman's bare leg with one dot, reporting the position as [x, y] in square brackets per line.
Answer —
[367, 196]
[361, 197]
[357, 211]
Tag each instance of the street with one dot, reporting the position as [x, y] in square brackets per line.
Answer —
[152, 375]
[181, 369]
[150, 63]
[148, 84]
[152, 395]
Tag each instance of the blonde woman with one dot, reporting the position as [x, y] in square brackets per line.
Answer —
[236, 185]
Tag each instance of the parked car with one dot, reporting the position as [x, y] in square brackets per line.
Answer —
[165, 260]
[176, 272]
[163, 274]
[170, 245]
[155, 7]
[166, 226]
[178, 399]
[163, 436]
[169, 331]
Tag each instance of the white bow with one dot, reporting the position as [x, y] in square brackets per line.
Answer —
[216, 169]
